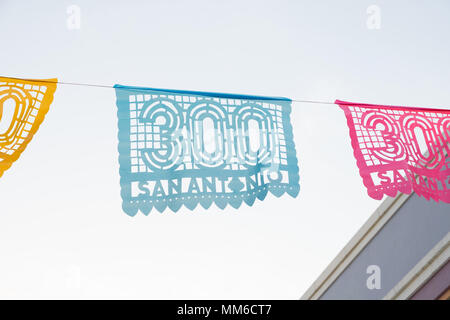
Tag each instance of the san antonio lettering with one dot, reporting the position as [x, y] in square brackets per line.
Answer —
[426, 182]
[201, 185]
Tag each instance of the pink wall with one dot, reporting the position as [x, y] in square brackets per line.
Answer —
[435, 286]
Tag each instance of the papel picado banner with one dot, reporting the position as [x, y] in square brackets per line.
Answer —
[188, 148]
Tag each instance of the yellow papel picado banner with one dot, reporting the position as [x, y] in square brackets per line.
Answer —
[23, 106]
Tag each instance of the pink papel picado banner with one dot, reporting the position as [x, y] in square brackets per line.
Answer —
[401, 149]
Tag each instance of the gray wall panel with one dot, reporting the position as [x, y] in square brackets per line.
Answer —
[407, 237]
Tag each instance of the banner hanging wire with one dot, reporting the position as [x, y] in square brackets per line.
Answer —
[112, 87]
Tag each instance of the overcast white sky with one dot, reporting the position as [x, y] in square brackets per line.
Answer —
[62, 231]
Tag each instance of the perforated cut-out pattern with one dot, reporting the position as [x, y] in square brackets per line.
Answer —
[400, 149]
[184, 148]
[23, 106]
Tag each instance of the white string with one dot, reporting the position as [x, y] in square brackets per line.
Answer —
[112, 87]
[312, 101]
